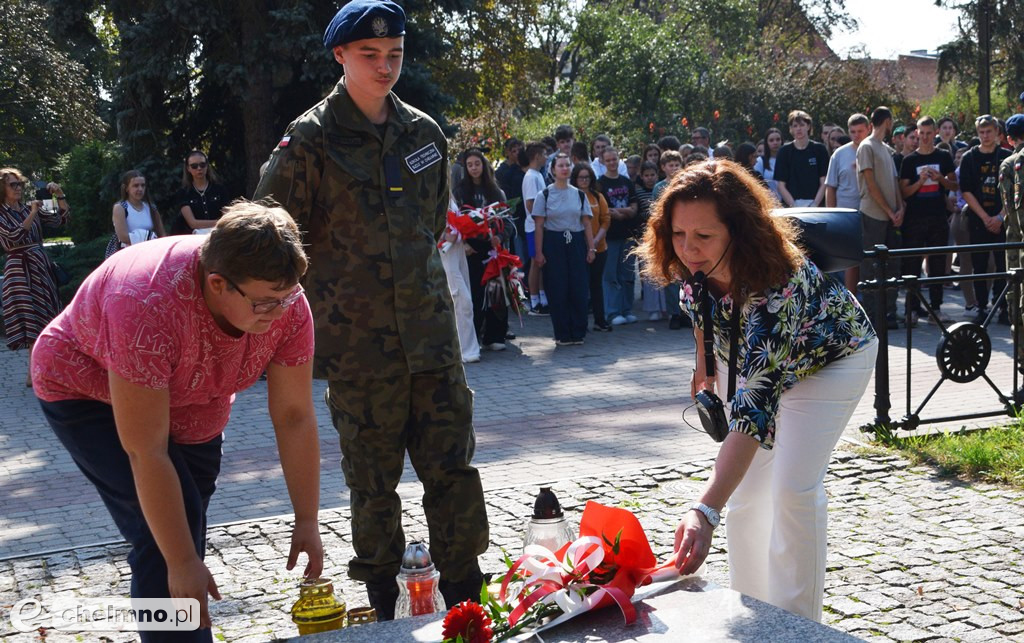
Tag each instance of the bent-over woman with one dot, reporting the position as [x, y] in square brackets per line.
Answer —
[805, 351]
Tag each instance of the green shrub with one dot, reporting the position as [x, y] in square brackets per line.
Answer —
[588, 120]
[91, 172]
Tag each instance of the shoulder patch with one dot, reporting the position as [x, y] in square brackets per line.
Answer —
[285, 140]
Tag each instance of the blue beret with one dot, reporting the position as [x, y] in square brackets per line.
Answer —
[361, 19]
[1022, 97]
[1015, 126]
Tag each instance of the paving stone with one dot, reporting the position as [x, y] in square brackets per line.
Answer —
[908, 633]
[847, 606]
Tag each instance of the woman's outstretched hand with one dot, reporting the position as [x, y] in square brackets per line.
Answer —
[693, 542]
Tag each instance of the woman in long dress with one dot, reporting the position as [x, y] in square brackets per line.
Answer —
[30, 296]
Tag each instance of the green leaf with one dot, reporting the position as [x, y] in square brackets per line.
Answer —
[508, 561]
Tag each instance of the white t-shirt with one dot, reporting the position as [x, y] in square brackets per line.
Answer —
[842, 175]
[533, 184]
[768, 173]
[599, 168]
[563, 209]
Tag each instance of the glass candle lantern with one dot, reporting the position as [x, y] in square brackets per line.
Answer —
[418, 590]
[318, 609]
[548, 526]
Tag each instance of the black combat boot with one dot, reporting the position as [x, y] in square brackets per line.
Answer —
[454, 592]
[382, 596]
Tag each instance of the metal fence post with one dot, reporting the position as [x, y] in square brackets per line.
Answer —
[882, 402]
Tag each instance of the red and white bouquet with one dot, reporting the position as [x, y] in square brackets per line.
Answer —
[605, 566]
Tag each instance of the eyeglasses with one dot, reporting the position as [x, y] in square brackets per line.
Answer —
[264, 307]
[582, 177]
[987, 119]
[16, 185]
[198, 166]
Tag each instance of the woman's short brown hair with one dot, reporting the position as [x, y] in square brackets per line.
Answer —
[255, 241]
[764, 247]
[10, 171]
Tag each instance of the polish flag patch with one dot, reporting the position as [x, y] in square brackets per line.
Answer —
[284, 141]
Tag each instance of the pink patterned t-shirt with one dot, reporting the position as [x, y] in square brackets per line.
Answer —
[142, 315]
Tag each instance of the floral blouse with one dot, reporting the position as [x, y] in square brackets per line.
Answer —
[787, 333]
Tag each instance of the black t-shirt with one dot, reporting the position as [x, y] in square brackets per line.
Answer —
[206, 206]
[620, 193]
[802, 169]
[979, 175]
[510, 180]
[930, 200]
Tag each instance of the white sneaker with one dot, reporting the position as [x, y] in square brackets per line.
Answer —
[653, 317]
[471, 360]
[630, 319]
[496, 346]
[618, 320]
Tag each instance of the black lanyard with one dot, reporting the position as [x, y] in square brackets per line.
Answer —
[706, 304]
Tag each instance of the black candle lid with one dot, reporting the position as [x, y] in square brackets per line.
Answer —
[546, 506]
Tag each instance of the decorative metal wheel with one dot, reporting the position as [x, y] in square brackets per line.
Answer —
[963, 352]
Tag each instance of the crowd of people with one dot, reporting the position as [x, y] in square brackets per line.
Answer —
[905, 181]
[342, 279]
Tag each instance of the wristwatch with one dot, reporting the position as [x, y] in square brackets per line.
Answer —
[714, 518]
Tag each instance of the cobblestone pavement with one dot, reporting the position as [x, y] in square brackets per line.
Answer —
[912, 556]
[565, 413]
[535, 406]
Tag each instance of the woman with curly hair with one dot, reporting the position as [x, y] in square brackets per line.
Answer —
[804, 352]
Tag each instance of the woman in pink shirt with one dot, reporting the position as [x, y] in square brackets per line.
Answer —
[138, 374]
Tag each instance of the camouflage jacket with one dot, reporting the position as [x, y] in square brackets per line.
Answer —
[1011, 188]
[371, 212]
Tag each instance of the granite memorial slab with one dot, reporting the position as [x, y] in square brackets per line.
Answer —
[688, 610]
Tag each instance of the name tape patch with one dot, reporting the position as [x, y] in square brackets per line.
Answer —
[423, 158]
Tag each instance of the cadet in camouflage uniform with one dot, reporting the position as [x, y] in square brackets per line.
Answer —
[366, 178]
[1011, 185]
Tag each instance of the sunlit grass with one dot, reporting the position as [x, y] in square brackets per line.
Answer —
[993, 455]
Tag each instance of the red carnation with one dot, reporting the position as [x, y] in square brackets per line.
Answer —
[468, 620]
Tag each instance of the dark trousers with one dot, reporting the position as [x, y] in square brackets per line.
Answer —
[875, 232]
[491, 327]
[597, 288]
[567, 283]
[86, 429]
[980, 234]
[430, 416]
[925, 232]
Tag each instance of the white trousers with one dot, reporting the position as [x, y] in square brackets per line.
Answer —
[776, 518]
[456, 268]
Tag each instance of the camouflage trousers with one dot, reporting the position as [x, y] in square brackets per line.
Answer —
[430, 415]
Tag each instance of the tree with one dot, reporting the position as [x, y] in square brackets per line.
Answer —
[46, 106]
[961, 60]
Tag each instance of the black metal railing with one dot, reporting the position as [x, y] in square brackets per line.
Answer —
[965, 348]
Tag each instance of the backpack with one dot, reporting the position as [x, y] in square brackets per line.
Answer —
[579, 191]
